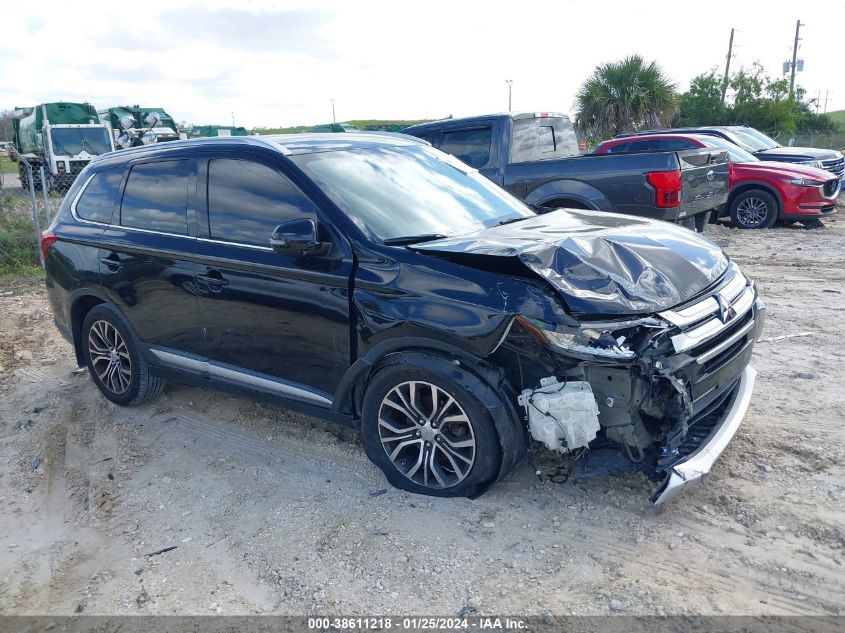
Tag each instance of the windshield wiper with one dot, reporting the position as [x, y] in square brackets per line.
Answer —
[511, 221]
[413, 239]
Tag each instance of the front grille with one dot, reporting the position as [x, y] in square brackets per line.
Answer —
[835, 165]
[707, 421]
[76, 166]
[830, 188]
[717, 334]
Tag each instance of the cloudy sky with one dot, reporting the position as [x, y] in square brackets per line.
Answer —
[280, 63]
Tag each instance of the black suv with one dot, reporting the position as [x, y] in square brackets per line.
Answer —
[374, 281]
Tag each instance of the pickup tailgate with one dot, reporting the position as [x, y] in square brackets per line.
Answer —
[705, 179]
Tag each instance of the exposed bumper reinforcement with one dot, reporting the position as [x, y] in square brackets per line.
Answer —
[689, 472]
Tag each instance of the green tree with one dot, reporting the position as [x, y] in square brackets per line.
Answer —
[755, 99]
[702, 103]
[625, 96]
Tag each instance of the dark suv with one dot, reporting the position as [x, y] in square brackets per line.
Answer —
[374, 281]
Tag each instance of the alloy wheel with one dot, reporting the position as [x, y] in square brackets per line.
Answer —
[426, 434]
[752, 211]
[109, 357]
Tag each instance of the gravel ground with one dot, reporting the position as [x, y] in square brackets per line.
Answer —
[203, 503]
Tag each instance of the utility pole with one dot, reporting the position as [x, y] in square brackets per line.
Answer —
[233, 119]
[826, 92]
[510, 87]
[798, 26]
[728, 66]
[334, 120]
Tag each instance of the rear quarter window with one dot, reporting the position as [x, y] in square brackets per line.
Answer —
[96, 204]
[543, 138]
[156, 197]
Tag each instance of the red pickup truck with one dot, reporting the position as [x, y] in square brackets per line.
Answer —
[761, 192]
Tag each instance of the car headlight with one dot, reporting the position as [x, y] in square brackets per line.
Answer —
[805, 182]
[812, 163]
[592, 341]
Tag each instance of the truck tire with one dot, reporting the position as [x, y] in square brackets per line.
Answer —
[24, 175]
[754, 209]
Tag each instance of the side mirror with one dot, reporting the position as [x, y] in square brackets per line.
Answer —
[298, 238]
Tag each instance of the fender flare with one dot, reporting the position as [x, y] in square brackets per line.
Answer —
[569, 189]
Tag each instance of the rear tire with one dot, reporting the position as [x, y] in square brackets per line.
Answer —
[112, 353]
[754, 209]
[426, 431]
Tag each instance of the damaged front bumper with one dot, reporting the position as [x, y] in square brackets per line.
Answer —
[690, 471]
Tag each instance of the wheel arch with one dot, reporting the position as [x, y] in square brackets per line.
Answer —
[492, 389]
[82, 303]
[750, 186]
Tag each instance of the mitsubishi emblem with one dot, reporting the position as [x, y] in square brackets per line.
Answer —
[726, 312]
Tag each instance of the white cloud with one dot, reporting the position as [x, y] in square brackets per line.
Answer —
[275, 64]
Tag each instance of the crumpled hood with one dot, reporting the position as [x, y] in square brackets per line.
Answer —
[601, 263]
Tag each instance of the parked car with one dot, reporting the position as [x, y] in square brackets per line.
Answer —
[761, 192]
[376, 282]
[765, 148]
[536, 157]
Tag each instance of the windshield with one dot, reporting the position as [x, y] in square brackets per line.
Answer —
[753, 140]
[737, 154]
[70, 141]
[394, 192]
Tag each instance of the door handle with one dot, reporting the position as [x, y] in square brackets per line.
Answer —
[112, 261]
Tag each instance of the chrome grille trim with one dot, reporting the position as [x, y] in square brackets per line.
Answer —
[698, 311]
[721, 347]
[712, 327]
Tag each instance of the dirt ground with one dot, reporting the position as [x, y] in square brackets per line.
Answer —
[202, 503]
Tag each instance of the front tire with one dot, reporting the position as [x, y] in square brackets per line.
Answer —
[754, 209]
[426, 431]
[111, 352]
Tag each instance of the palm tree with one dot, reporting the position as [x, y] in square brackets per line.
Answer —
[625, 96]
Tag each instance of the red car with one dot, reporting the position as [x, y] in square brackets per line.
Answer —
[761, 192]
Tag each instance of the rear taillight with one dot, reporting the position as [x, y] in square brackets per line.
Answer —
[730, 176]
[47, 240]
[667, 187]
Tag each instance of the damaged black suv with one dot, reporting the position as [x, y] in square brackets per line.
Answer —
[374, 281]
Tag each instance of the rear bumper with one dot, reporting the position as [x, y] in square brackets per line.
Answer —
[693, 468]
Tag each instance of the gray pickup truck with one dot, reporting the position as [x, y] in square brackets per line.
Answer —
[535, 156]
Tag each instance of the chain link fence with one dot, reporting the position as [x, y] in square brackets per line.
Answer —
[822, 140]
[30, 196]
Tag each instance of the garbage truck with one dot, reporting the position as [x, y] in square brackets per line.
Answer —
[62, 137]
[135, 125]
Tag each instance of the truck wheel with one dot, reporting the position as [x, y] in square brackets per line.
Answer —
[427, 432]
[754, 209]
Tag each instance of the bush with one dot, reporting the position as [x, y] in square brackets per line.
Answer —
[17, 238]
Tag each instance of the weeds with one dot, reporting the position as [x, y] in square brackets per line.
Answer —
[17, 239]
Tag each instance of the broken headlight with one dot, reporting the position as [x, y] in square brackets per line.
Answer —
[608, 340]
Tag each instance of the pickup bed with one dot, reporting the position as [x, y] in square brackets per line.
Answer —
[535, 157]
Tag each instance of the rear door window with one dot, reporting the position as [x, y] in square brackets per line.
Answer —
[97, 201]
[156, 197]
[650, 145]
[471, 146]
[676, 144]
[247, 200]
